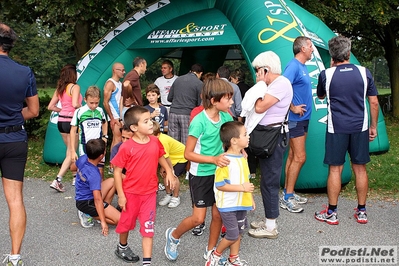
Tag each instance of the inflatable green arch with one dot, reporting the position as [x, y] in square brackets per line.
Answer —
[204, 32]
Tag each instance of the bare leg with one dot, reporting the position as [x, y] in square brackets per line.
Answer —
[362, 182]
[334, 183]
[116, 136]
[147, 247]
[196, 218]
[108, 190]
[215, 227]
[67, 161]
[123, 238]
[16, 207]
[297, 148]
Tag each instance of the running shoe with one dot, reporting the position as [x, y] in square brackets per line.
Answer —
[57, 186]
[237, 262]
[174, 202]
[165, 200]
[290, 205]
[199, 229]
[327, 216]
[86, 220]
[171, 245]
[126, 255]
[361, 216]
[8, 261]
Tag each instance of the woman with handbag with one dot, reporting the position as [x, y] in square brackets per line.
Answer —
[271, 110]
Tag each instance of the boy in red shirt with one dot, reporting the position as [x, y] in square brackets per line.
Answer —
[137, 191]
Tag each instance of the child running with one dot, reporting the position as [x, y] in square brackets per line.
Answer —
[137, 191]
[205, 151]
[232, 193]
[93, 196]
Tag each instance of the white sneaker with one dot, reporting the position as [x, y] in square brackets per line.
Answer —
[165, 200]
[161, 187]
[174, 202]
[257, 224]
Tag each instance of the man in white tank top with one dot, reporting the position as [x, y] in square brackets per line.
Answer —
[165, 82]
[112, 97]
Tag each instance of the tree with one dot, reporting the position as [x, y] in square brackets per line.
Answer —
[88, 19]
[373, 27]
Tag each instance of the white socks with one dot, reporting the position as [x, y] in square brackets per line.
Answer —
[270, 224]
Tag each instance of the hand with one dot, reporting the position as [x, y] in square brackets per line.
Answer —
[248, 187]
[221, 161]
[372, 133]
[74, 157]
[299, 109]
[104, 227]
[115, 121]
[122, 202]
[156, 112]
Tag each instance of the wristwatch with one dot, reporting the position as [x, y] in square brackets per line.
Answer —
[105, 136]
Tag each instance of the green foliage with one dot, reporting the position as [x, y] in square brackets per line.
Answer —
[372, 27]
[37, 126]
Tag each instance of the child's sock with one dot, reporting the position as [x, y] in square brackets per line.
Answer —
[232, 258]
[58, 178]
[14, 258]
[146, 261]
[122, 246]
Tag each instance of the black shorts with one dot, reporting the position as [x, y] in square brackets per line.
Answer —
[64, 127]
[88, 207]
[180, 168]
[357, 145]
[201, 190]
[298, 128]
[13, 157]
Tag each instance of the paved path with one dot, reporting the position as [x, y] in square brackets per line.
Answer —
[55, 237]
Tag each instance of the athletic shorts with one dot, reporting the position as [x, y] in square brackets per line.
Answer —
[298, 128]
[13, 157]
[201, 190]
[64, 127]
[88, 207]
[235, 223]
[357, 145]
[142, 207]
[180, 168]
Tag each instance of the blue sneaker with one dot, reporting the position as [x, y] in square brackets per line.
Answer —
[171, 245]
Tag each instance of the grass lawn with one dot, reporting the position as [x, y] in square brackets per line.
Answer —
[383, 170]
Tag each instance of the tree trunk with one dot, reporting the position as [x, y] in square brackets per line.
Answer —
[392, 57]
[82, 42]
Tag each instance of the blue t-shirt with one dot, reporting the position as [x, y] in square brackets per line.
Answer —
[298, 75]
[161, 118]
[88, 178]
[17, 82]
[346, 87]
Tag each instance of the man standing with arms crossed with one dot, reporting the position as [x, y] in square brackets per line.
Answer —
[111, 103]
[346, 86]
[17, 86]
[298, 121]
[165, 82]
